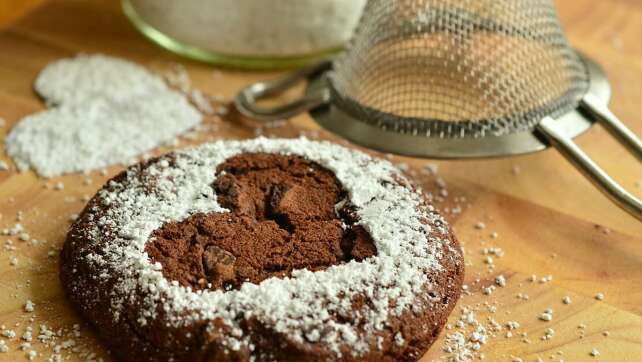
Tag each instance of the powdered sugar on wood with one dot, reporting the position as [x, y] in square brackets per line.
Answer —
[106, 111]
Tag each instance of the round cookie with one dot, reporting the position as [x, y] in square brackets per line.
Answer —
[263, 250]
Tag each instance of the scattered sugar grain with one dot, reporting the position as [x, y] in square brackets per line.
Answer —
[616, 42]
[488, 290]
[27, 335]
[178, 77]
[29, 306]
[399, 340]
[594, 352]
[599, 296]
[68, 343]
[546, 279]
[201, 102]
[222, 111]
[496, 251]
[546, 316]
[431, 168]
[512, 325]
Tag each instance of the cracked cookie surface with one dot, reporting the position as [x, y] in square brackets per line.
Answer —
[286, 213]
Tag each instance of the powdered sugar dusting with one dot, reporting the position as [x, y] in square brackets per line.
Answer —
[85, 77]
[302, 306]
[109, 111]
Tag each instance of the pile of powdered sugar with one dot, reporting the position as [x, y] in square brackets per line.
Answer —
[104, 111]
[86, 77]
[300, 306]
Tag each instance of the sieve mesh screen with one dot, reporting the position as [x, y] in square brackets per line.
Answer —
[458, 68]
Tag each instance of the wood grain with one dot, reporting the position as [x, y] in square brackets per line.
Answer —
[11, 10]
[549, 220]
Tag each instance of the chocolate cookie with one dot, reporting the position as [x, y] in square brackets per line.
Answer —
[263, 250]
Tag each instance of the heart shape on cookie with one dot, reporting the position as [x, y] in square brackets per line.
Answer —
[283, 217]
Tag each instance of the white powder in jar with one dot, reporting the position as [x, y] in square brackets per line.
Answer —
[254, 28]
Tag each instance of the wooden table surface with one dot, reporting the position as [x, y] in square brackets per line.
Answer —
[549, 220]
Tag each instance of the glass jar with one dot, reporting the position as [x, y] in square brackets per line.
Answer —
[247, 33]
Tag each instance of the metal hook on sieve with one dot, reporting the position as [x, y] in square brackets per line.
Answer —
[551, 129]
[599, 110]
[596, 108]
[247, 98]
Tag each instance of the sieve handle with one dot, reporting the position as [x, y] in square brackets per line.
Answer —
[553, 132]
[246, 100]
[601, 112]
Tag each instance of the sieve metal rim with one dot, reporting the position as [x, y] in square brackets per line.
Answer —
[344, 124]
[432, 127]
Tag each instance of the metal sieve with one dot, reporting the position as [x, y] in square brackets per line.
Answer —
[458, 79]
